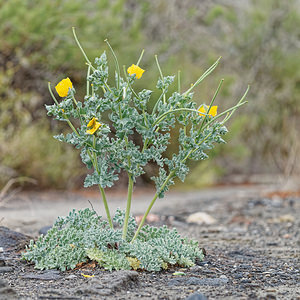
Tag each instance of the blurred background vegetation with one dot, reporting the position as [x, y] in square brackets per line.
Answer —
[257, 39]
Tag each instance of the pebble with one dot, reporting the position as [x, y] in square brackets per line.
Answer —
[201, 218]
[72, 276]
[196, 296]
[46, 275]
[2, 262]
[195, 269]
[44, 230]
[198, 281]
[6, 269]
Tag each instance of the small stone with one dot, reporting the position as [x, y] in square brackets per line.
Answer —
[72, 276]
[6, 269]
[2, 262]
[198, 281]
[87, 290]
[47, 275]
[238, 276]
[270, 297]
[176, 281]
[195, 269]
[196, 296]
[2, 283]
[244, 280]
[44, 230]
[223, 277]
[104, 292]
[201, 218]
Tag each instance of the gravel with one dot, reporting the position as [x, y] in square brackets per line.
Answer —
[252, 253]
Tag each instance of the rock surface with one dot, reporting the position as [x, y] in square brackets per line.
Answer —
[10, 239]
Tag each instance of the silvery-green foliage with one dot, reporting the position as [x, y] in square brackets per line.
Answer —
[112, 148]
[83, 235]
[157, 247]
[111, 259]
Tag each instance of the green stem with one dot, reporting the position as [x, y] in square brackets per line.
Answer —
[129, 196]
[74, 100]
[156, 195]
[151, 204]
[156, 104]
[95, 164]
[240, 102]
[211, 103]
[128, 84]
[140, 58]
[106, 206]
[80, 47]
[87, 80]
[231, 110]
[50, 91]
[116, 62]
[161, 75]
[171, 111]
[203, 76]
[179, 82]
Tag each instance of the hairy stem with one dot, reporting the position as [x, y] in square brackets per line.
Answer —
[106, 206]
[151, 204]
[129, 196]
[203, 76]
[80, 47]
[161, 75]
[116, 62]
[95, 164]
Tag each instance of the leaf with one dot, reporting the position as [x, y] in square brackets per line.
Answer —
[87, 276]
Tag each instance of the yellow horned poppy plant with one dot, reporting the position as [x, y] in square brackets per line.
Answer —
[94, 125]
[63, 87]
[212, 112]
[134, 69]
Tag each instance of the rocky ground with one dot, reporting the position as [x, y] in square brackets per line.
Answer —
[251, 237]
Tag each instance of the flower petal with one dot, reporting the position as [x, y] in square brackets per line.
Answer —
[134, 69]
[213, 111]
[202, 111]
[63, 87]
[94, 128]
[92, 122]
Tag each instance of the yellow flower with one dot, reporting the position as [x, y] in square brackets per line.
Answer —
[63, 87]
[94, 125]
[212, 112]
[134, 69]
